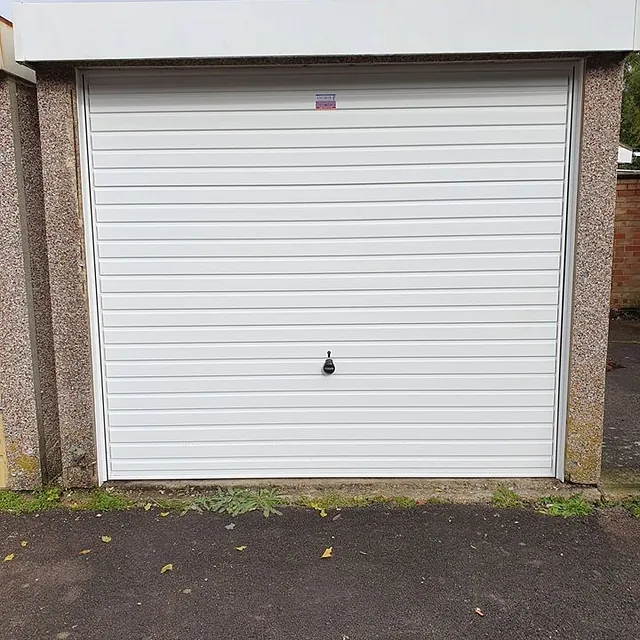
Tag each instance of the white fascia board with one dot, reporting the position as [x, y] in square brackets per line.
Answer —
[8, 62]
[128, 30]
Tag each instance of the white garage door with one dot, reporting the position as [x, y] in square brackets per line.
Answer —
[410, 221]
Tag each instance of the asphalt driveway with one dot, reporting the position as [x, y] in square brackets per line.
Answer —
[436, 571]
[621, 451]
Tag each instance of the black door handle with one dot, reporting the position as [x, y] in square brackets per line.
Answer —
[329, 367]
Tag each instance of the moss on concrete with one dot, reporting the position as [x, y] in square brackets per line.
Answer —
[27, 464]
[583, 452]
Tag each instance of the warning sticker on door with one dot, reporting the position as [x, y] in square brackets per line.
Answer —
[325, 100]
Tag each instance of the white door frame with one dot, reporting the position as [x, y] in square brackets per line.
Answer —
[570, 201]
[570, 205]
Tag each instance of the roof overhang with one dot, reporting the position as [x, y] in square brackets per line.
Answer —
[48, 30]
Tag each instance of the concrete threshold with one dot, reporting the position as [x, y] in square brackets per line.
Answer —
[459, 491]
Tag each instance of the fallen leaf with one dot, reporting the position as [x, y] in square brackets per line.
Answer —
[164, 514]
[320, 509]
[337, 517]
[10, 557]
[167, 567]
[23, 543]
[230, 526]
[85, 551]
[241, 548]
[328, 552]
[147, 506]
[106, 539]
[479, 611]
[186, 591]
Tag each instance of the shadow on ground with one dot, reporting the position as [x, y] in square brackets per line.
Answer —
[621, 451]
[395, 574]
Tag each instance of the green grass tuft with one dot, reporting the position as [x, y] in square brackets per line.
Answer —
[574, 506]
[22, 502]
[11, 501]
[633, 507]
[101, 500]
[405, 503]
[505, 498]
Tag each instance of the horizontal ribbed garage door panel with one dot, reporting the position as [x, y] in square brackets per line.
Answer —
[329, 247]
[324, 415]
[393, 155]
[341, 398]
[364, 281]
[335, 119]
[185, 335]
[301, 366]
[320, 315]
[450, 433]
[308, 382]
[324, 448]
[348, 212]
[330, 138]
[330, 193]
[353, 175]
[313, 467]
[416, 231]
[138, 354]
[333, 299]
[503, 267]
[297, 99]
[332, 230]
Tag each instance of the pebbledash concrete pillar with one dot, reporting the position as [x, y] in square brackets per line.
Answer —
[29, 441]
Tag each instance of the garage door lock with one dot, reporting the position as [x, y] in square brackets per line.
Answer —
[329, 367]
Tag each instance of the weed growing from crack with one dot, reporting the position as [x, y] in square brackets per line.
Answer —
[101, 500]
[571, 507]
[505, 498]
[235, 502]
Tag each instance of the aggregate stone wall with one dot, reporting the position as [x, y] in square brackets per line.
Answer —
[592, 267]
[29, 442]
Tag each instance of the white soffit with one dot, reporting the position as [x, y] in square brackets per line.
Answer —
[127, 30]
